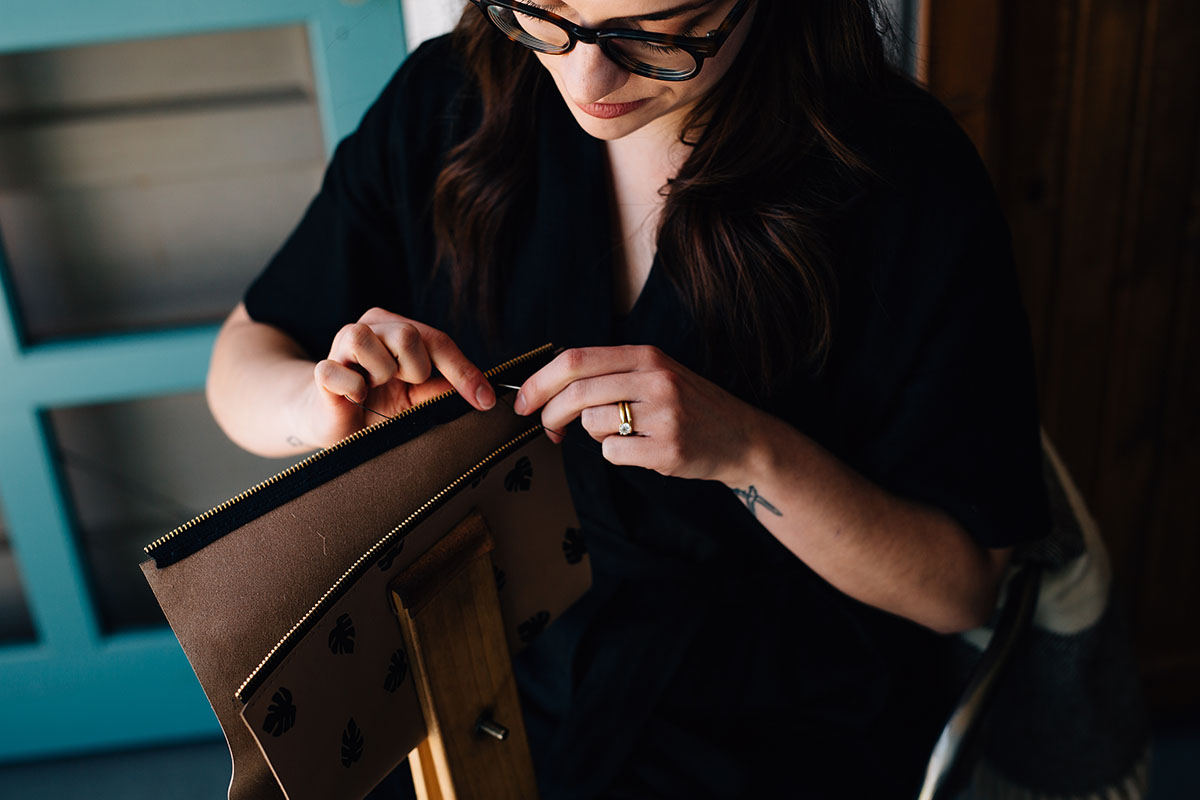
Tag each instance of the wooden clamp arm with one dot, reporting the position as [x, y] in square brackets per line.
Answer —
[450, 616]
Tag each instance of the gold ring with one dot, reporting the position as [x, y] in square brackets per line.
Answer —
[626, 426]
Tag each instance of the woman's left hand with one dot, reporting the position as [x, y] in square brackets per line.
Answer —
[683, 425]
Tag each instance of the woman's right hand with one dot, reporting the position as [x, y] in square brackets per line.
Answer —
[384, 364]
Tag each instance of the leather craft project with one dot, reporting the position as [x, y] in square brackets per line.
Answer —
[280, 598]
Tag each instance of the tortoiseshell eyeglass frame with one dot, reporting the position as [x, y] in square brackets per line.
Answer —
[698, 47]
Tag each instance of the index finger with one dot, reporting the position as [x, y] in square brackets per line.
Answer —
[466, 378]
[568, 367]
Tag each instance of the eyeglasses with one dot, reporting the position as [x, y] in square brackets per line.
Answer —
[660, 56]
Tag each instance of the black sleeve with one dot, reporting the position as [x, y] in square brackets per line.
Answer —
[958, 427]
[353, 247]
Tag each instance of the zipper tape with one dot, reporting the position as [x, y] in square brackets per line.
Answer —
[325, 465]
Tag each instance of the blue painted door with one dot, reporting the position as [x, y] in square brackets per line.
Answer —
[77, 687]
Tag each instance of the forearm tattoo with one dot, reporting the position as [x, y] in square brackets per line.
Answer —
[294, 441]
[753, 500]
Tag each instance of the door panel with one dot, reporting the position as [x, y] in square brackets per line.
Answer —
[153, 153]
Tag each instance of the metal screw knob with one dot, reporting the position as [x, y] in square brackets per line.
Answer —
[486, 725]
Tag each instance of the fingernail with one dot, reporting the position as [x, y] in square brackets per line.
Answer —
[485, 397]
[519, 403]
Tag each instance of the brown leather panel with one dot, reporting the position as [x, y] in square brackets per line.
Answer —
[232, 601]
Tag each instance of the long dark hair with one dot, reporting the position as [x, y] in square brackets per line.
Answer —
[741, 234]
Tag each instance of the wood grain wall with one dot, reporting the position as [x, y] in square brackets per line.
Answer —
[1088, 115]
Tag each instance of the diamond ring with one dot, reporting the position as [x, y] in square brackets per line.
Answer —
[626, 426]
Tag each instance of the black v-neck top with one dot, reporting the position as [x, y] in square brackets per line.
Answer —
[708, 661]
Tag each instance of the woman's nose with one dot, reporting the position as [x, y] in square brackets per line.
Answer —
[589, 75]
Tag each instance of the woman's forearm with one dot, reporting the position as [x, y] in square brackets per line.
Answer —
[888, 552]
[256, 378]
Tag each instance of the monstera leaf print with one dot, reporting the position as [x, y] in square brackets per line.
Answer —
[530, 628]
[281, 714]
[574, 548]
[397, 670]
[352, 744]
[520, 476]
[341, 638]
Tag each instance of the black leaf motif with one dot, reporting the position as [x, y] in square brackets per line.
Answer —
[501, 577]
[532, 627]
[574, 547]
[397, 670]
[341, 638]
[352, 744]
[520, 476]
[281, 714]
[389, 558]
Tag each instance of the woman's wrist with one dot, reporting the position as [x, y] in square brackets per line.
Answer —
[303, 410]
[296, 430]
[763, 438]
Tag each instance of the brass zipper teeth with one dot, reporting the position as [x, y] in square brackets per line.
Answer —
[384, 542]
[317, 456]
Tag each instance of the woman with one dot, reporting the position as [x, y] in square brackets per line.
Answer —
[788, 263]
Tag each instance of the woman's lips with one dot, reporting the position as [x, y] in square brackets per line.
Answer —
[610, 110]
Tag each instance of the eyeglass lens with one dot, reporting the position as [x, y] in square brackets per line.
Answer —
[547, 37]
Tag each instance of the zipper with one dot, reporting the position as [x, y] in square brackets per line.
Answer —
[321, 455]
[364, 562]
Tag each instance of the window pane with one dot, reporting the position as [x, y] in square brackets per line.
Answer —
[135, 470]
[15, 622]
[144, 183]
